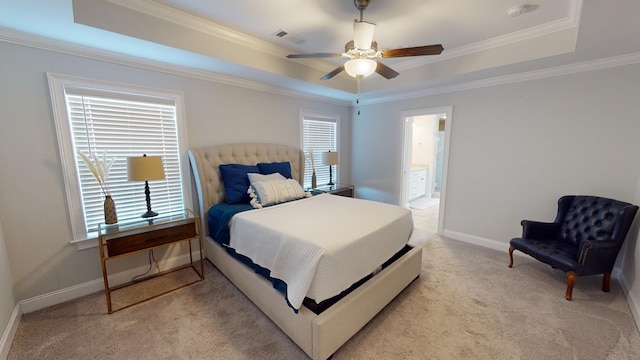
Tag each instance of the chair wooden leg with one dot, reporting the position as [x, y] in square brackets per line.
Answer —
[510, 256]
[571, 280]
[606, 281]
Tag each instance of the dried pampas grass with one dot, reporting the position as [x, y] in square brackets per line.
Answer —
[311, 160]
[99, 169]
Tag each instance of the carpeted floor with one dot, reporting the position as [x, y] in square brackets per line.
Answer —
[425, 220]
[467, 304]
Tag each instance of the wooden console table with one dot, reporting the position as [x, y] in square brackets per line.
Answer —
[143, 234]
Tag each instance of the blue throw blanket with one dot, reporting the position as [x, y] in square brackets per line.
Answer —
[219, 217]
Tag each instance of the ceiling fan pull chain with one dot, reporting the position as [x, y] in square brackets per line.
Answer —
[358, 95]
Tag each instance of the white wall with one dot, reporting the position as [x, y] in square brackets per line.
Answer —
[515, 149]
[7, 300]
[630, 264]
[32, 201]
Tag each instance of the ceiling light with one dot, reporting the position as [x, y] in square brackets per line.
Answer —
[517, 10]
[359, 68]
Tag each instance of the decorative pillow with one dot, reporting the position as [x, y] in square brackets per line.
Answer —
[275, 192]
[236, 182]
[255, 178]
[283, 168]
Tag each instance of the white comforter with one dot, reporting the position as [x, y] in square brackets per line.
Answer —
[321, 245]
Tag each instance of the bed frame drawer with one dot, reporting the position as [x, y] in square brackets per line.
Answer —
[149, 239]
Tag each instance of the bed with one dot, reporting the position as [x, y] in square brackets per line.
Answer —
[318, 334]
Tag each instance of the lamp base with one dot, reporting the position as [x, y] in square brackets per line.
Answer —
[330, 177]
[147, 194]
[149, 214]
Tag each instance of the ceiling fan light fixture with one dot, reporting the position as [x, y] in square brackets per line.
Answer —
[360, 67]
[363, 34]
[362, 50]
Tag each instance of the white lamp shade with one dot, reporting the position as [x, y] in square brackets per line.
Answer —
[330, 158]
[143, 168]
[360, 67]
[363, 34]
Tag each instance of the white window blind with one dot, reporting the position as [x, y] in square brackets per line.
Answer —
[117, 122]
[320, 134]
[124, 128]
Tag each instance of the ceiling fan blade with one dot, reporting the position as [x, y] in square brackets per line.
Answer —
[413, 51]
[335, 72]
[313, 55]
[386, 71]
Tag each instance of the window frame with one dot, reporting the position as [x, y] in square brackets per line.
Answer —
[57, 85]
[327, 117]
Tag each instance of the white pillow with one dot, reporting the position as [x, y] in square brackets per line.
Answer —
[256, 178]
[275, 192]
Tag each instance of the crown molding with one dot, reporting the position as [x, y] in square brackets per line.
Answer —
[167, 13]
[592, 65]
[36, 41]
[493, 43]
[570, 22]
[39, 42]
[161, 11]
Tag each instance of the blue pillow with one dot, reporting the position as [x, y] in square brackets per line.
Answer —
[236, 182]
[284, 168]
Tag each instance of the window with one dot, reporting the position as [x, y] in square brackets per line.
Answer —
[320, 133]
[115, 121]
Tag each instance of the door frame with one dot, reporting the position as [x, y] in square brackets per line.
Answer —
[405, 156]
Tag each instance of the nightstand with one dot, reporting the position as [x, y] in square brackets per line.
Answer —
[143, 234]
[338, 189]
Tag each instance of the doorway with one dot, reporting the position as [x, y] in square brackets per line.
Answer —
[425, 148]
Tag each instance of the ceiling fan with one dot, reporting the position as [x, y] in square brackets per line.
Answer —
[362, 51]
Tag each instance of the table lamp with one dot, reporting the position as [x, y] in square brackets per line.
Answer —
[145, 168]
[330, 158]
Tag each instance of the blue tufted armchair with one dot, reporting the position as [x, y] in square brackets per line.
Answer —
[584, 239]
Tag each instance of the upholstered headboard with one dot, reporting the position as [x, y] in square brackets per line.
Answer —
[205, 161]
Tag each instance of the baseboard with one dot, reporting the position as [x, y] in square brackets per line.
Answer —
[73, 292]
[476, 240]
[632, 301]
[10, 332]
